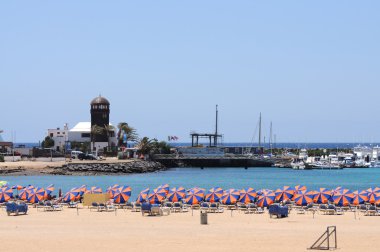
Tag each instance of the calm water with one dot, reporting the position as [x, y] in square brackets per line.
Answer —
[226, 178]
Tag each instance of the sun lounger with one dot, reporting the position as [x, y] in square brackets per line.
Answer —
[50, 206]
[205, 206]
[242, 208]
[251, 208]
[371, 211]
[279, 211]
[94, 205]
[177, 207]
[146, 208]
[15, 208]
[136, 207]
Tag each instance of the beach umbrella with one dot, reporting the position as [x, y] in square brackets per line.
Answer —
[336, 190]
[214, 194]
[49, 189]
[82, 190]
[94, 190]
[24, 194]
[143, 195]
[299, 188]
[247, 195]
[322, 196]
[303, 198]
[157, 196]
[164, 187]
[360, 197]
[176, 194]
[6, 194]
[17, 187]
[285, 193]
[72, 195]
[372, 194]
[111, 190]
[36, 195]
[343, 197]
[194, 196]
[3, 183]
[266, 198]
[230, 197]
[122, 194]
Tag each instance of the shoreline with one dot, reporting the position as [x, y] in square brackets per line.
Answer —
[79, 168]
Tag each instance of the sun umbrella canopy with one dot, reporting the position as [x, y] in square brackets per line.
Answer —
[36, 195]
[17, 187]
[343, 198]
[230, 197]
[95, 190]
[299, 188]
[24, 194]
[82, 189]
[194, 196]
[71, 196]
[143, 195]
[360, 197]
[322, 196]
[157, 196]
[122, 194]
[49, 189]
[285, 193]
[214, 194]
[303, 198]
[165, 187]
[6, 194]
[176, 194]
[266, 198]
[247, 195]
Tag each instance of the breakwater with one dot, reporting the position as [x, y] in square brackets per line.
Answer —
[102, 168]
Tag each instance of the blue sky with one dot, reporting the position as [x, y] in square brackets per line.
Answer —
[311, 67]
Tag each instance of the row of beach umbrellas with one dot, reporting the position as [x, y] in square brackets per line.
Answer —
[263, 198]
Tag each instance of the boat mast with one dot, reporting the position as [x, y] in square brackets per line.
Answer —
[216, 127]
[270, 138]
[260, 132]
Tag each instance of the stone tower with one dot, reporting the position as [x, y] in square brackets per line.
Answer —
[100, 116]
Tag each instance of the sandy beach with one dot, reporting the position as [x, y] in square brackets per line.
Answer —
[130, 231]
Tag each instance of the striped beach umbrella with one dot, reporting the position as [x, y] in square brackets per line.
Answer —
[36, 195]
[343, 197]
[266, 198]
[360, 197]
[336, 190]
[122, 194]
[6, 194]
[24, 193]
[176, 194]
[299, 188]
[214, 194]
[112, 190]
[372, 194]
[322, 196]
[247, 195]
[285, 193]
[157, 196]
[17, 187]
[49, 189]
[303, 198]
[230, 197]
[95, 190]
[164, 187]
[194, 196]
[143, 196]
[72, 195]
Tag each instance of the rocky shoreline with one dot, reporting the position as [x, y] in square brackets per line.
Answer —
[87, 169]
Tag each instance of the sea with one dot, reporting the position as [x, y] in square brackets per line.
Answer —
[226, 178]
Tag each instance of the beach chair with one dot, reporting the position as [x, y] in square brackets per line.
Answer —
[322, 208]
[259, 210]
[102, 207]
[146, 208]
[251, 208]
[137, 207]
[177, 207]
[15, 208]
[242, 208]
[363, 209]
[94, 205]
[40, 206]
[205, 206]
[371, 211]
[214, 207]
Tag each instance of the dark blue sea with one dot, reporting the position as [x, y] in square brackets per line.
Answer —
[238, 178]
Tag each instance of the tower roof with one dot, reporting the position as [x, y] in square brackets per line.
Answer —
[100, 100]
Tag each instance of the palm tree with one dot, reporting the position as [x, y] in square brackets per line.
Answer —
[130, 132]
[146, 145]
[96, 131]
[109, 129]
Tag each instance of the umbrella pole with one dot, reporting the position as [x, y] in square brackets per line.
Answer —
[77, 211]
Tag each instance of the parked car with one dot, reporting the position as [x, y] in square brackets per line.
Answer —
[83, 156]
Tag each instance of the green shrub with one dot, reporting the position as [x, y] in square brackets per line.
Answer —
[1, 158]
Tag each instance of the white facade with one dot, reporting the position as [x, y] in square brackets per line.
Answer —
[60, 137]
[82, 133]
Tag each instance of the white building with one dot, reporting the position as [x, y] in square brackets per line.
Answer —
[60, 137]
[81, 133]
